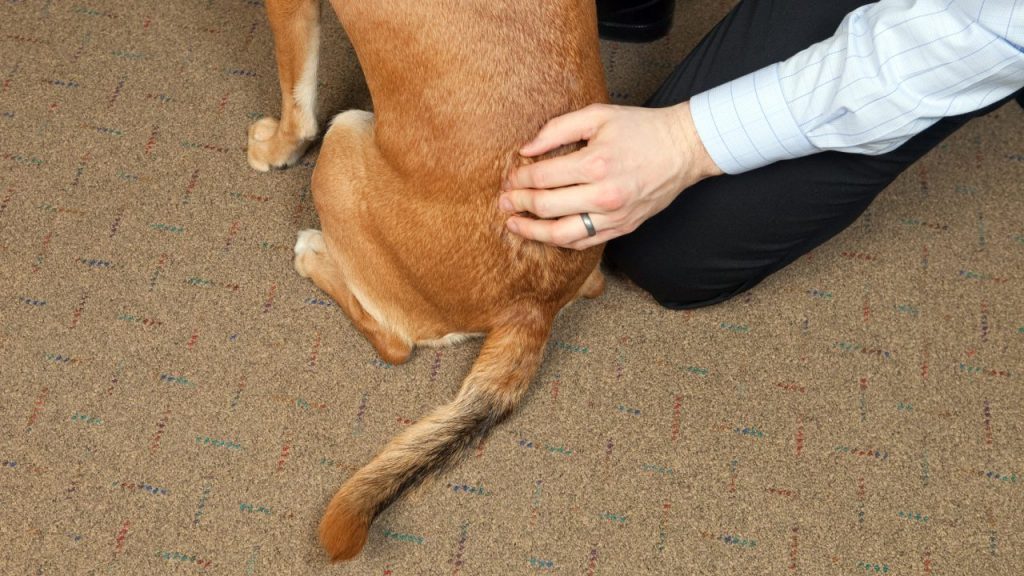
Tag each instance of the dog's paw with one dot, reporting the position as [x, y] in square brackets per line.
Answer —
[269, 147]
[309, 243]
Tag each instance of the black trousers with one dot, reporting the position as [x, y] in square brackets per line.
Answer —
[726, 234]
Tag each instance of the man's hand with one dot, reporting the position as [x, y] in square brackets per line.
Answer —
[636, 161]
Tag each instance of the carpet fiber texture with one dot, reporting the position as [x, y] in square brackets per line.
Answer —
[175, 399]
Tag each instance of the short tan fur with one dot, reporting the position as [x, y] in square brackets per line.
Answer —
[413, 247]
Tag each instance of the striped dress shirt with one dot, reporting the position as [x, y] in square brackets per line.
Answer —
[891, 70]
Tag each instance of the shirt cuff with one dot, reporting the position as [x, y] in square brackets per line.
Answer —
[746, 124]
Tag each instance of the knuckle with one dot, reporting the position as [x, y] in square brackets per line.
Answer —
[541, 206]
[520, 201]
[537, 179]
[611, 200]
[595, 167]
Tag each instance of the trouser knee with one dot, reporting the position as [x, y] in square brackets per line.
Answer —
[681, 286]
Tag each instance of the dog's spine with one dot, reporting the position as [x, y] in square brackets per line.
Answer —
[494, 387]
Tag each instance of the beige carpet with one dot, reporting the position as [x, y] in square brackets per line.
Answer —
[175, 399]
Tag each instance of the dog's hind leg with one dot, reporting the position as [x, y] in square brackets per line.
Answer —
[296, 28]
[593, 286]
[312, 261]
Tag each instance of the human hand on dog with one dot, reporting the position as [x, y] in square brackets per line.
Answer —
[636, 161]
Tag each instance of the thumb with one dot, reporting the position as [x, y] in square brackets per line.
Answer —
[567, 129]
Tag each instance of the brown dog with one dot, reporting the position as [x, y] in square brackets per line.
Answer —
[413, 246]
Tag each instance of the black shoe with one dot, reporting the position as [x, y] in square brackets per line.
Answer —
[634, 20]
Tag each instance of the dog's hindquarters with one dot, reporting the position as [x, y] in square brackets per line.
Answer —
[497, 383]
[422, 259]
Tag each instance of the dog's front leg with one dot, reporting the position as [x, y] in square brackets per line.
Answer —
[296, 28]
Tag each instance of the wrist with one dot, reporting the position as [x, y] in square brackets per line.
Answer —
[699, 164]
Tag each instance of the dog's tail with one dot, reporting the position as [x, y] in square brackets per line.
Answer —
[494, 387]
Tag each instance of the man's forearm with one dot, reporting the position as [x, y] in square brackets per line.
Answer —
[891, 70]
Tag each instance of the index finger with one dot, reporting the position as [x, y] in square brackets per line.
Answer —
[566, 129]
[578, 167]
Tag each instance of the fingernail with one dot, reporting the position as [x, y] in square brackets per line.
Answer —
[505, 204]
[512, 226]
[506, 184]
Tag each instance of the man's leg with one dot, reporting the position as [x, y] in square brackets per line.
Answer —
[726, 234]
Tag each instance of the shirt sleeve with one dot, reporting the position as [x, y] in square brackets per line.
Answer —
[891, 70]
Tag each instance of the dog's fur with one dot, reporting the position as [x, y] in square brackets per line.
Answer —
[414, 247]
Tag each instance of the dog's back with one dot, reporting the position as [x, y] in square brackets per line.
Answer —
[471, 80]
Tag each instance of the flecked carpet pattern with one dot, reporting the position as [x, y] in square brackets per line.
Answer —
[175, 399]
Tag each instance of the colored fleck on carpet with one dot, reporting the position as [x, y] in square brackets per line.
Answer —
[175, 399]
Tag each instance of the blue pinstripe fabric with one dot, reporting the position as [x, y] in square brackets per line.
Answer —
[891, 70]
